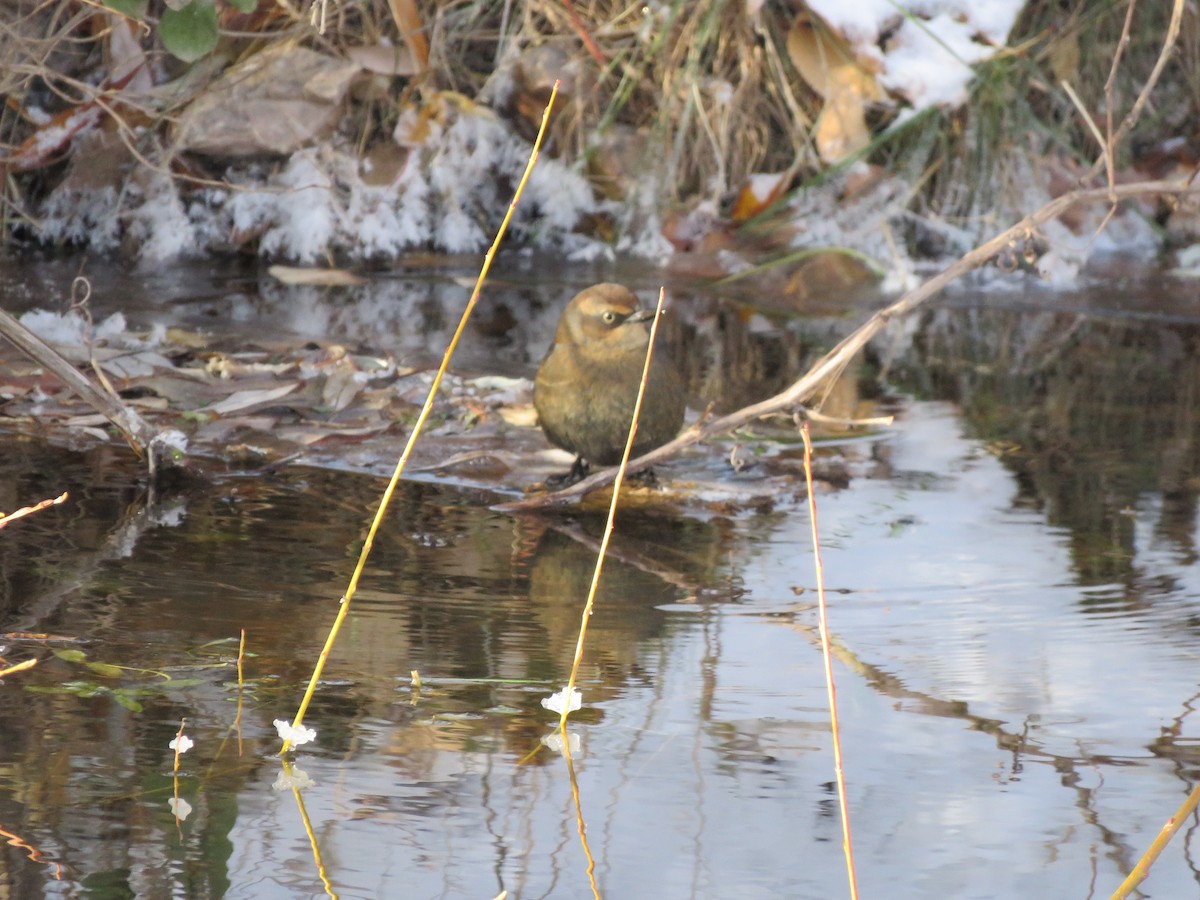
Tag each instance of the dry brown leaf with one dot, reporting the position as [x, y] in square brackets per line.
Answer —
[87, 420]
[157, 404]
[323, 277]
[184, 392]
[273, 102]
[135, 365]
[311, 434]
[521, 416]
[52, 138]
[340, 388]
[219, 431]
[127, 59]
[240, 400]
[841, 129]
[184, 337]
[1064, 56]
[224, 367]
[827, 63]
[384, 59]
[758, 193]
[408, 20]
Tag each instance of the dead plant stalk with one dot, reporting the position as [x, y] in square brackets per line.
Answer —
[424, 414]
[830, 688]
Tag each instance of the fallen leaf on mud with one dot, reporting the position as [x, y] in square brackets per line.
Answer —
[479, 463]
[226, 367]
[89, 420]
[217, 431]
[322, 277]
[520, 416]
[308, 435]
[183, 337]
[157, 404]
[98, 434]
[240, 400]
[340, 389]
[135, 365]
[182, 389]
[127, 59]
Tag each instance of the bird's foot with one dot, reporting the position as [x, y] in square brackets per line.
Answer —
[645, 478]
[579, 471]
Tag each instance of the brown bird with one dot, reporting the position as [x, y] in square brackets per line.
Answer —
[587, 385]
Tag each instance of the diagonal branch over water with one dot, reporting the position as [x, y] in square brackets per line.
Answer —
[832, 364]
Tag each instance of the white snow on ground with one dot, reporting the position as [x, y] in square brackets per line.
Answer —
[464, 163]
[451, 195]
[928, 57]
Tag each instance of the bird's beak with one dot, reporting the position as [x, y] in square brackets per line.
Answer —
[642, 315]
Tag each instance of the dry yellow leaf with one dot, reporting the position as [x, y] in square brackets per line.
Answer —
[758, 193]
[408, 20]
[826, 62]
[1064, 56]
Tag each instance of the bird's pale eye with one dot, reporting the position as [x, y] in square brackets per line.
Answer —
[608, 316]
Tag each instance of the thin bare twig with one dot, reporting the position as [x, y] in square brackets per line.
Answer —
[1143, 96]
[6, 519]
[1109, 147]
[137, 431]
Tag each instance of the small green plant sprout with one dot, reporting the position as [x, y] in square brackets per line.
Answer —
[294, 735]
[558, 702]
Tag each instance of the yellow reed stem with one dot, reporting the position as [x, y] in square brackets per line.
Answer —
[178, 742]
[424, 414]
[612, 512]
[237, 721]
[847, 844]
[313, 843]
[1173, 824]
[580, 824]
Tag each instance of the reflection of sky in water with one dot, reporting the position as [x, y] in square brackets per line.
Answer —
[710, 776]
[981, 684]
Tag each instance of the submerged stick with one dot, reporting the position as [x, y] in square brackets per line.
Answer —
[412, 438]
[138, 432]
[836, 359]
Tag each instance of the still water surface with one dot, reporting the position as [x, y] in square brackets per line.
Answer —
[1014, 616]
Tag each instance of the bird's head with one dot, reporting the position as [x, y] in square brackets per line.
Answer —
[605, 318]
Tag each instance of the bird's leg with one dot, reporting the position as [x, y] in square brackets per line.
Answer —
[579, 471]
[645, 478]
